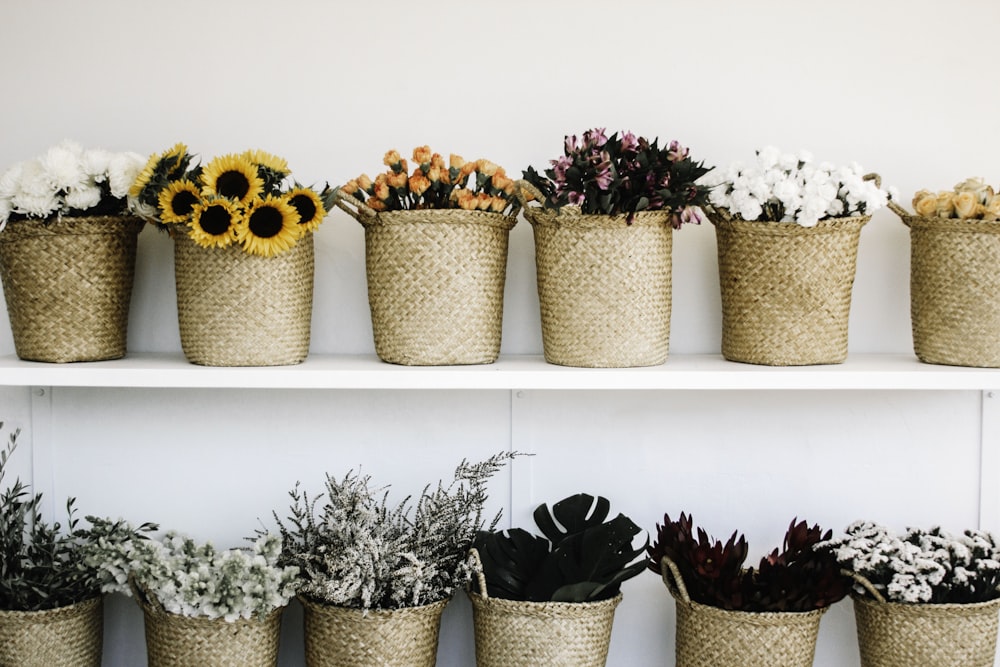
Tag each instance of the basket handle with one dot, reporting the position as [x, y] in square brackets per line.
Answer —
[527, 192]
[355, 208]
[668, 570]
[477, 569]
[867, 585]
[145, 600]
[873, 177]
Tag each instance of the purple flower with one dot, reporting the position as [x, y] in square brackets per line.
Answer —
[603, 165]
[629, 142]
[575, 198]
[560, 166]
[595, 137]
[676, 152]
[571, 145]
[691, 214]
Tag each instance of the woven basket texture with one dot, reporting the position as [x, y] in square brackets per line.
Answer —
[65, 637]
[529, 634]
[603, 287]
[237, 309]
[173, 640]
[955, 290]
[926, 635]
[711, 637]
[342, 637]
[786, 289]
[68, 285]
[436, 285]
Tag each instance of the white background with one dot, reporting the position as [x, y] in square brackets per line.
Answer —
[905, 88]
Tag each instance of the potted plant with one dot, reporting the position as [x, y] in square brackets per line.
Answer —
[954, 281]
[376, 576]
[52, 577]
[787, 233]
[203, 606]
[923, 597]
[243, 253]
[67, 252]
[436, 256]
[754, 617]
[551, 600]
[602, 230]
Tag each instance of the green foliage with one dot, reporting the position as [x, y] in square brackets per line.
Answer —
[583, 557]
[44, 566]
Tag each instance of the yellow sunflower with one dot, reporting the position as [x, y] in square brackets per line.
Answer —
[270, 227]
[307, 204]
[264, 159]
[177, 156]
[142, 180]
[214, 223]
[233, 177]
[170, 159]
[177, 201]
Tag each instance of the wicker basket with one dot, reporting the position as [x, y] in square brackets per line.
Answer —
[68, 284]
[69, 636]
[173, 640]
[603, 286]
[237, 309]
[342, 637]
[954, 290]
[512, 633]
[786, 289]
[709, 637]
[892, 634]
[435, 282]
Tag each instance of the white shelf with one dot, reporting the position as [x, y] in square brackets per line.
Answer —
[680, 372]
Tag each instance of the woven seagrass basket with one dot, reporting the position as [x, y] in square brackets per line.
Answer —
[68, 285]
[604, 285]
[173, 640]
[709, 636]
[71, 636]
[512, 633]
[954, 290]
[892, 634]
[342, 637]
[237, 309]
[786, 289]
[435, 282]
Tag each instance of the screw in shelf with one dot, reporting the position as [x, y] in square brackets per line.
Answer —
[39, 391]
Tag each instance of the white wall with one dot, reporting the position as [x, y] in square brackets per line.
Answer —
[905, 88]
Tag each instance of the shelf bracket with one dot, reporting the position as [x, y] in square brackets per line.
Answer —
[989, 462]
[42, 454]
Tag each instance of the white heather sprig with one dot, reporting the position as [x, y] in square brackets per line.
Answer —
[196, 580]
[786, 187]
[68, 178]
[921, 566]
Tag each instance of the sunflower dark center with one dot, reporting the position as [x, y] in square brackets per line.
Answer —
[215, 220]
[265, 222]
[305, 207]
[183, 202]
[232, 184]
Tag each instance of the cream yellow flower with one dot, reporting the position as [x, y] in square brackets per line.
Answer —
[422, 155]
[946, 204]
[434, 174]
[978, 187]
[992, 211]
[456, 161]
[391, 158]
[486, 167]
[967, 206]
[925, 204]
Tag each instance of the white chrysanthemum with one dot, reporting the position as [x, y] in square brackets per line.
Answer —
[36, 206]
[95, 163]
[63, 164]
[5, 210]
[83, 198]
[768, 157]
[34, 180]
[123, 169]
[10, 181]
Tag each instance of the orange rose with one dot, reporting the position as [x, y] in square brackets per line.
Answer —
[422, 155]
[382, 191]
[365, 183]
[466, 200]
[501, 182]
[946, 204]
[375, 204]
[437, 161]
[350, 187]
[419, 183]
[486, 167]
[967, 205]
[483, 201]
[391, 158]
[434, 174]
[498, 204]
[456, 161]
[397, 180]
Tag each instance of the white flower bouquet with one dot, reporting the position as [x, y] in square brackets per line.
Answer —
[69, 181]
[921, 566]
[787, 187]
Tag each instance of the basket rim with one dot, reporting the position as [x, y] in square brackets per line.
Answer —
[926, 607]
[571, 217]
[721, 218]
[445, 216]
[306, 601]
[65, 609]
[83, 225]
[479, 598]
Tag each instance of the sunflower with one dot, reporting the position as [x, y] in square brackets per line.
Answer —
[233, 177]
[309, 207]
[177, 201]
[214, 223]
[168, 164]
[270, 227]
[268, 161]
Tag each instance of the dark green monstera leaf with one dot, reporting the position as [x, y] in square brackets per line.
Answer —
[510, 560]
[573, 514]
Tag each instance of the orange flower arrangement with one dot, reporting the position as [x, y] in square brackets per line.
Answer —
[479, 185]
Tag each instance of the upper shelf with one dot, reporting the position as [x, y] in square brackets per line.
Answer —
[680, 372]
